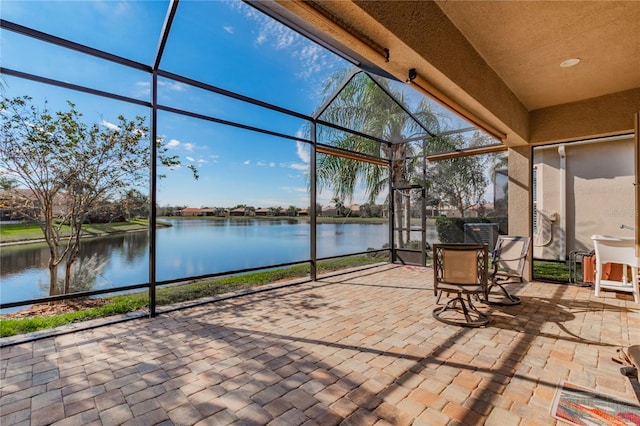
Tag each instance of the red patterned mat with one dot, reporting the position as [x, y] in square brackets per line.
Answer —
[581, 406]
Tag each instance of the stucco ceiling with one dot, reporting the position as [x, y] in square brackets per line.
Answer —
[524, 42]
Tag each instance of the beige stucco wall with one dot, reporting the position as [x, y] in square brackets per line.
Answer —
[599, 195]
[603, 116]
[519, 199]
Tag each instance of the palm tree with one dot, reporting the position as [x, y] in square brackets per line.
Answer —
[365, 105]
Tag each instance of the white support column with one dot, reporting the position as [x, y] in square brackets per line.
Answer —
[562, 191]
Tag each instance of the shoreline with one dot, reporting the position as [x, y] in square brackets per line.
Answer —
[163, 224]
[93, 234]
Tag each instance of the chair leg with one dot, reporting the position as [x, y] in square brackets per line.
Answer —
[598, 276]
[508, 300]
[472, 316]
[635, 282]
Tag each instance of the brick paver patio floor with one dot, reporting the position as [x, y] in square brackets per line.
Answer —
[359, 348]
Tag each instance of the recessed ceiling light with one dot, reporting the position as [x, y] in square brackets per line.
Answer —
[569, 62]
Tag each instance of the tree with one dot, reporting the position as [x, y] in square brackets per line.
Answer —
[363, 106]
[70, 168]
[274, 211]
[341, 210]
[461, 181]
[134, 204]
[7, 184]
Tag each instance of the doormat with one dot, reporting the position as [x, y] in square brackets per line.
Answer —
[581, 406]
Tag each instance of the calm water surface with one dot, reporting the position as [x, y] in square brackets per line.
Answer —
[188, 248]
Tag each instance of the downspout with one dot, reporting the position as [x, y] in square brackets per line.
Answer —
[563, 202]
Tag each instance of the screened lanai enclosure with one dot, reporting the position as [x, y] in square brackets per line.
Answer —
[149, 144]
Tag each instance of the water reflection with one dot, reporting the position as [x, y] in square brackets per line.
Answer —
[189, 248]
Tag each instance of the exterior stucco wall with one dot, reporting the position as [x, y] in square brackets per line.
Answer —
[599, 195]
[519, 199]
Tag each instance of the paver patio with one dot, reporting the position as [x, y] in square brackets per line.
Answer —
[359, 348]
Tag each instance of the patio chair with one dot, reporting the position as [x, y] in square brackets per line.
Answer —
[509, 257]
[460, 270]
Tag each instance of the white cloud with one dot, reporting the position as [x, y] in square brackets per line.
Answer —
[272, 164]
[202, 161]
[261, 163]
[298, 166]
[284, 38]
[175, 143]
[296, 189]
[172, 85]
[191, 159]
[247, 162]
[228, 29]
[303, 152]
[109, 125]
[312, 58]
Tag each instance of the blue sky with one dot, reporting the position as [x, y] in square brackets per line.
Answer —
[223, 43]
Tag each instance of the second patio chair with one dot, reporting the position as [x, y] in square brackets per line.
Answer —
[460, 270]
[508, 261]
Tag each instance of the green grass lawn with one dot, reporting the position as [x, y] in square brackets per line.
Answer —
[19, 232]
[16, 232]
[552, 271]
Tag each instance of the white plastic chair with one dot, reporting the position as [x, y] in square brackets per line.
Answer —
[617, 250]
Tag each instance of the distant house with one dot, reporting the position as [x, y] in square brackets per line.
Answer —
[449, 211]
[240, 211]
[191, 211]
[263, 211]
[303, 212]
[7, 211]
[19, 204]
[204, 211]
[329, 211]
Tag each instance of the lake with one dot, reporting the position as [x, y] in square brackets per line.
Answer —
[189, 248]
